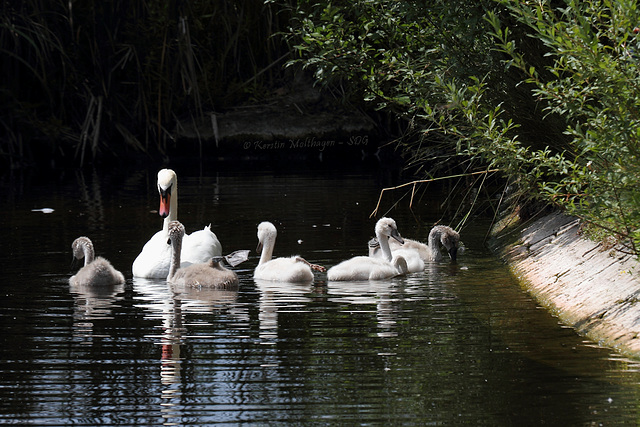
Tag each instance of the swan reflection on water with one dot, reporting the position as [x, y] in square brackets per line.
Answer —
[279, 297]
[96, 302]
[93, 303]
[383, 295]
[170, 304]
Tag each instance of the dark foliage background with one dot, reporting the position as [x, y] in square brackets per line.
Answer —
[546, 92]
[85, 80]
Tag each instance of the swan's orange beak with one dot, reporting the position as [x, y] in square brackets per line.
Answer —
[165, 198]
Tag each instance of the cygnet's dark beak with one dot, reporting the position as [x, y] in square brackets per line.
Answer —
[453, 253]
[396, 235]
[217, 259]
[259, 247]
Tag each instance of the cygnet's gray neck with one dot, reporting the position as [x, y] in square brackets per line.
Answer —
[176, 245]
[434, 240]
[87, 250]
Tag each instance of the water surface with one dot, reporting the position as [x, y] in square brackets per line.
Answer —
[459, 343]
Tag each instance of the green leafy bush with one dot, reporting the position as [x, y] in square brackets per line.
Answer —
[546, 93]
[592, 81]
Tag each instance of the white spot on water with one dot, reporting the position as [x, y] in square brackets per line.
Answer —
[43, 210]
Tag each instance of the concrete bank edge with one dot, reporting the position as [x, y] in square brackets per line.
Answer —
[594, 289]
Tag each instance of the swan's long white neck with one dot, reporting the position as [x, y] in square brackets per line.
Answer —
[401, 265]
[383, 240]
[268, 243]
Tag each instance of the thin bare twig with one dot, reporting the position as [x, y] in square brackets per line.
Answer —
[423, 181]
[464, 220]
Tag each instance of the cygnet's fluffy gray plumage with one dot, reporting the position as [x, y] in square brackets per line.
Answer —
[211, 274]
[96, 271]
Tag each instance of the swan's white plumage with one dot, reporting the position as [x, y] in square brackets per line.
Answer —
[372, 268]
[96, 271]
[367, 268]
[412, 258]
[197, 247]
[439, 235]
[210, 274]
[292, 269]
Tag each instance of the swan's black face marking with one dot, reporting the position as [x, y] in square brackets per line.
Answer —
[165, 198]
[165, 192]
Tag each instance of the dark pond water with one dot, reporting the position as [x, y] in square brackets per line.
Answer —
[456, 344]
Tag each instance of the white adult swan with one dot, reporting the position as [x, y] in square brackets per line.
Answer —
[294, 269]
[370, 268]
[210, 274]
[439, 235]
[96, 271]
[197, 247]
